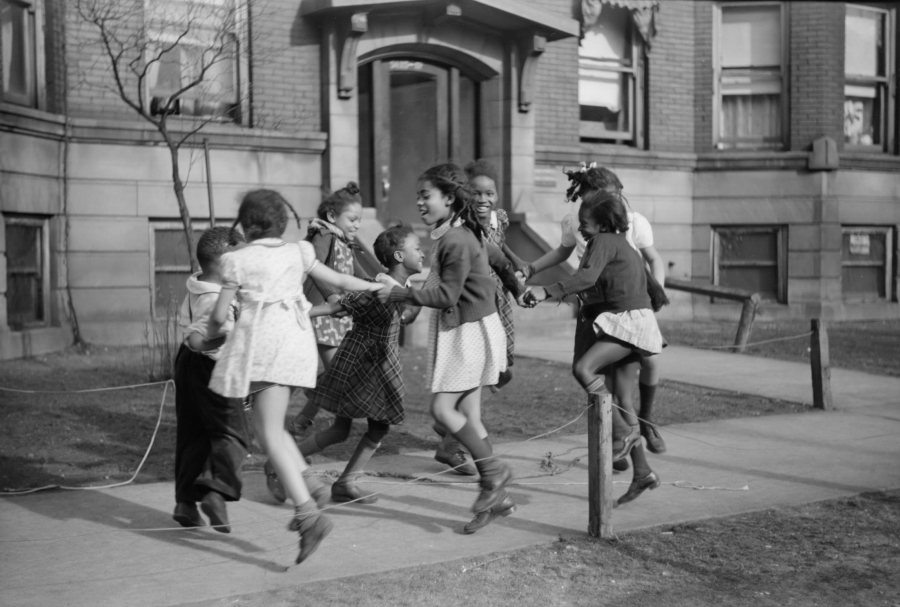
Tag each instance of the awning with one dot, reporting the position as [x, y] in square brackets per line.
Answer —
[643, 12]
[502, 15]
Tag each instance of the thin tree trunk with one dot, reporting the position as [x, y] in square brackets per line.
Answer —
[182, 206]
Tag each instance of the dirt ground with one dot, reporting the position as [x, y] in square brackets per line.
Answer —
[835, 554]
[870, 346]
[99, 438]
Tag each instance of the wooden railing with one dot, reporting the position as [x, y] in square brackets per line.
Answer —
[749, 299]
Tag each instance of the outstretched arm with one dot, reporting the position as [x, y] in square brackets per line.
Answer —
[220, 312]
[657, 266]
[322, 273]
[550, 259]
[326, 309]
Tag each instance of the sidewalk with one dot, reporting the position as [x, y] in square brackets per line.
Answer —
[90, 548]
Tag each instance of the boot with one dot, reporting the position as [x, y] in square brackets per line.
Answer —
[345, 488]
[495, 477]
[621, 465]
[187, 515]
[482, 519]
[313, 527]
[317, 489]
[213, 506]
[273, 484]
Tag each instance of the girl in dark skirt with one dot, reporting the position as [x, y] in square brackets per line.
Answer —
[364, 379]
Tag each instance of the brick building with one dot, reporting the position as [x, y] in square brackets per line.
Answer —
[759, 138]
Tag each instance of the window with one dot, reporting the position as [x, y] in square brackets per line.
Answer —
[19, 46]
[195, 42]
[171, 265]
[751, 258]
[867, 77]
[27, 271]
[609, 78]
[866, 256]
[750, 57]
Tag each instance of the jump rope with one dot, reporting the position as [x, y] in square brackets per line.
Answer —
[423, 479]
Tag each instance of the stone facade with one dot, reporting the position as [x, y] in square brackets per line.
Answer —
[83, 163]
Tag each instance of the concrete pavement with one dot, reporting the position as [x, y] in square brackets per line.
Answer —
[120, 546]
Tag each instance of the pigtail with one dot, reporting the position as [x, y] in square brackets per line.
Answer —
[294, 213]
[590, 178]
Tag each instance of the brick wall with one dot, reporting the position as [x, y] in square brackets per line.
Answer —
[703, 76]
[556, 98]
[670, 86]
[54, 58]
[817, 72]
[286, 68]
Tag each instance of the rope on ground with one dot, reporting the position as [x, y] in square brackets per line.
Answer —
[18, 391]
[759, 343]
[162, 404]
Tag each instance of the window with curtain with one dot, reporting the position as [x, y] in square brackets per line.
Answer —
[867, 82]
[18, 52]
[195, 42]
[171, 266]
[866, 263]
[750, 57]
[608, 77]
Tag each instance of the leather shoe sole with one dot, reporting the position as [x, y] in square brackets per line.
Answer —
[483, 519]
[655, 443]
[651, 481]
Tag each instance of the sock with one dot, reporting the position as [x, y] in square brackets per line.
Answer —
[648, 394]
[468, 437]
[598, 386]
[364, 451]
[639, 461]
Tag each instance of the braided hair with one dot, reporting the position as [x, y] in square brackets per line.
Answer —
[338, 202]
[262, 214]
[591, 178]
[452, 181]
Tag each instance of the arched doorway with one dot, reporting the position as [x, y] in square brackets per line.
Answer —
[413, 113]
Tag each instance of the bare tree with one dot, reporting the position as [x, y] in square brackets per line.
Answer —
[175, 63]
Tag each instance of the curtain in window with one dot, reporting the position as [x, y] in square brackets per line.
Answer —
[751, 117]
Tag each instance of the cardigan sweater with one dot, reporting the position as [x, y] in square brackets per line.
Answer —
[467, 290]
[610, 278]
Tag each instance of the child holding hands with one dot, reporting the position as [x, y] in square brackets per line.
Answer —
[467, 344]
[211, 433]
[365, 378]
[272, 347]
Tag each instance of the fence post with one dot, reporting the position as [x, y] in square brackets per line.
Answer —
[820, 363]
[748, 314]
[600, 465]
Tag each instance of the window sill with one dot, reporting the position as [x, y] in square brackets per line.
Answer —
[21, 119]
[858, 160]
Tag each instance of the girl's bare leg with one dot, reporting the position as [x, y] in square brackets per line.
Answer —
[268, 423]
[470, 406]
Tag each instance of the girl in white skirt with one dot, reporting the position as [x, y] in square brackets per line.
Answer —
[272, 347]
[467, 343]
[612, 285]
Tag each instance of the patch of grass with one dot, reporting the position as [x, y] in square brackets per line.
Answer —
[869, 346]
[77, 439]
[835, 553]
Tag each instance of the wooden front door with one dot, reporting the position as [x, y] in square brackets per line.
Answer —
[413, 115]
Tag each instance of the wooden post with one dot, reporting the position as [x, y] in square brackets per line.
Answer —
[748, 314]
[600, 481]
[209, 191]
[820, 363]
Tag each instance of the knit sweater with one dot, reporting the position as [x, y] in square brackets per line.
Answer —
[466, 292]
[610, 278]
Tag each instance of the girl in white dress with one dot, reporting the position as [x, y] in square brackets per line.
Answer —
[272, 347]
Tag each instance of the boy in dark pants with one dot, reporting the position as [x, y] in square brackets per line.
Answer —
[211, 436]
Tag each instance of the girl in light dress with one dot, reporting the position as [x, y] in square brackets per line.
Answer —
[467, 344]
[272, 347]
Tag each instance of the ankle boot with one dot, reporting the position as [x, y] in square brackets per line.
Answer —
[495, 476]
[346, 490]
[313, 527]
[482, 519]
[450, 453]
[317, 489]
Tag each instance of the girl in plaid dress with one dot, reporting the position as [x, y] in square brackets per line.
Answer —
[467, 344]
[364, 379]
[611, 282]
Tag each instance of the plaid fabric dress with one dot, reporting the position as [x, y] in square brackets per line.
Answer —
[364, 379]
[496, 234]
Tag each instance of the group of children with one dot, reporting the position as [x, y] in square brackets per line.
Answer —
[284, 305]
